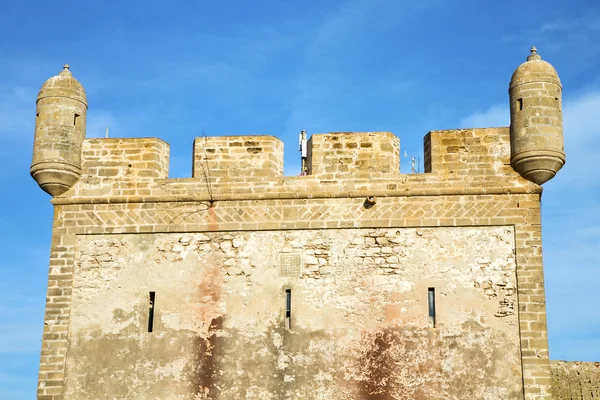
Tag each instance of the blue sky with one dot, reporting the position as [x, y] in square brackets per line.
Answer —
[174, 69]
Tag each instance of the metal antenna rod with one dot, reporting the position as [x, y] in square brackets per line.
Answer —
[303, 152]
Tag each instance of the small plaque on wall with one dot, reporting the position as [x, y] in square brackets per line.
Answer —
[290, 264]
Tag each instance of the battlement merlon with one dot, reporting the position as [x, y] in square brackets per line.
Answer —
[336, 155]
[534, 139]
[344, 155]
[133, 158]
[233, 157]
[464, 161]
[361, 154]
[468, 152]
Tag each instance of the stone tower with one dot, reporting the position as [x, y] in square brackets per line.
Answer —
[536, 128]
[59, 133]
[350, 281]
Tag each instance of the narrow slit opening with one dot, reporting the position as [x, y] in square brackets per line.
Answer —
[151, 304]
[431, 301]
[75, 119]
[520, 104]
[288, 308]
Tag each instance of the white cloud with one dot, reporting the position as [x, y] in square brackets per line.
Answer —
[99, 120]
[17, 118]
[582, 138]
[582, 124]
[586, 23]
[137, 122]
[571, 239]
[495, 116]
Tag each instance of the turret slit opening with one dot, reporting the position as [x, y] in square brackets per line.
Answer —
[151, 312]
[520, 104]
[76, 119]
[288, 308]
[431, 301]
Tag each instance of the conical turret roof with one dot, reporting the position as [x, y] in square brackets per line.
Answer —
[534, 70]
[63, 85]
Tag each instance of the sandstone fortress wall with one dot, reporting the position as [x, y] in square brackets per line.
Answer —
[352, 281]
[575, 380]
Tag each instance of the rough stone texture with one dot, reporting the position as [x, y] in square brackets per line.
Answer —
[220, 249]
[137, 159]
[467, 154]
[575, 380]
[235, 157]
[359, 326]
[437, 199]
[59, 130]
[358, 153]
[536, 120]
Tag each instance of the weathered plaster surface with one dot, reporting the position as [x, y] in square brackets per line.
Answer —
[359, 326]
[572, 380]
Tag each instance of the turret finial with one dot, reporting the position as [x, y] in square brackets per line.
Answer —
[534, 54]
[66, 70]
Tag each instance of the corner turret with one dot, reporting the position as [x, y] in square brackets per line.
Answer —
[536, 126]
[59, 133]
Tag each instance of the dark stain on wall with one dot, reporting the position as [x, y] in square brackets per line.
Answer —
[420, 363]
[208, 353]
[378, 367]
[410, 363]
[208, 347]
